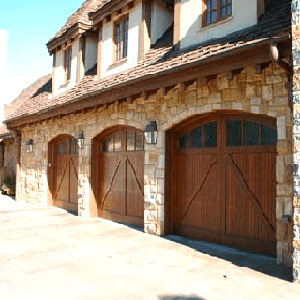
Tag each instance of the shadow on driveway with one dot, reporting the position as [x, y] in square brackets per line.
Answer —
[261, 263]
[179, 297]
[257, 262]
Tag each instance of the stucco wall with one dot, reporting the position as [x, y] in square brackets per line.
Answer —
[91, 50]
[108, 66]
[161, 20]
[60, 85]
[244, 14]
[264, 93]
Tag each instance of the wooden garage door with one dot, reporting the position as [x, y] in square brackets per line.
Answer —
[222, 183]
[120, 176]
[65, 170]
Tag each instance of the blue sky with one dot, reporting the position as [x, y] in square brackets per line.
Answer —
[30, 24]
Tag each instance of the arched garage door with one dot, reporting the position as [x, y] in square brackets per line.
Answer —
[119, 175]
[63, 172]
[222, 180]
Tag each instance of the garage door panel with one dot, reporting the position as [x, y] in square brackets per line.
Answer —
[113, 186]
[192, 172]
[73, 179]
[195, 205]
[62, 184]
[203, 209]
[135, 184]
[247, 208]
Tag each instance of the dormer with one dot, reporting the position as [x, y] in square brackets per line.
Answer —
[71, 59]
[115, 35]
[126, 31]
[197, 21]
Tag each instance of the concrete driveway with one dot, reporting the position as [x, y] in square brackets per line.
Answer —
[49, 254]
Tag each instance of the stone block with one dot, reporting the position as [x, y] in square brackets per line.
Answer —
[255, 100]
[288, 206]
[237, 105]
[231, 95]
[160, 213]
[149, 206]
[284, 190]
[250, 92]
[296, 244]
[160, 173]
[160, 199]
[279, 253]
[150, 228]
[267, 93]
[222, 82]
[204, 92]
[280, 168]
[296, 229]
[216, 106]
[281, 231]
[150, 216]
[281, 127]
[255, 109]
[160, 186]
[214, 98]
[284, 147]
[273, 78]
[279, 208]
[160, 231]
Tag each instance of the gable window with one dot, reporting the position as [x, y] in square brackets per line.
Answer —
[216, 10]
[121, 38]
[68, 62]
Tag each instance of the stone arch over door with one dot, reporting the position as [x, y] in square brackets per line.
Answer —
[118, 174]
[63, 172]
[221, 179]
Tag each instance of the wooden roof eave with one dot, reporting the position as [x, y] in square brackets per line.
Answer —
[238, 58]
[76, 30]
[109, 8]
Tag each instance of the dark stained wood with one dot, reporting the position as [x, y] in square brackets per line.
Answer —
[222, 194]
[63, 172]
[118, 183]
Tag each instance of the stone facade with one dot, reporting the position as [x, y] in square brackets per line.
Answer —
[264, 93]
[296, 135]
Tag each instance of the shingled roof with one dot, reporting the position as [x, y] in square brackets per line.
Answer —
[31, 98]
[162, 58]
[4, 132]
[80, 16]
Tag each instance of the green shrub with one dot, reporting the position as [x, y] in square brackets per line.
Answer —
[9, 183]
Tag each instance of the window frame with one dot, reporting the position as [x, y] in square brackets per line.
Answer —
[68, 63]
[118, 48]
[218, 9]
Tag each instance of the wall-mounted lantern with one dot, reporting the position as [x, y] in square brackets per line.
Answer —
[151, 133]
[80, 139]
[29, 146]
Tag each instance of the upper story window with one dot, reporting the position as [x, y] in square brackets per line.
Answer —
[121, 38]
[216, 10]
[68, 62]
